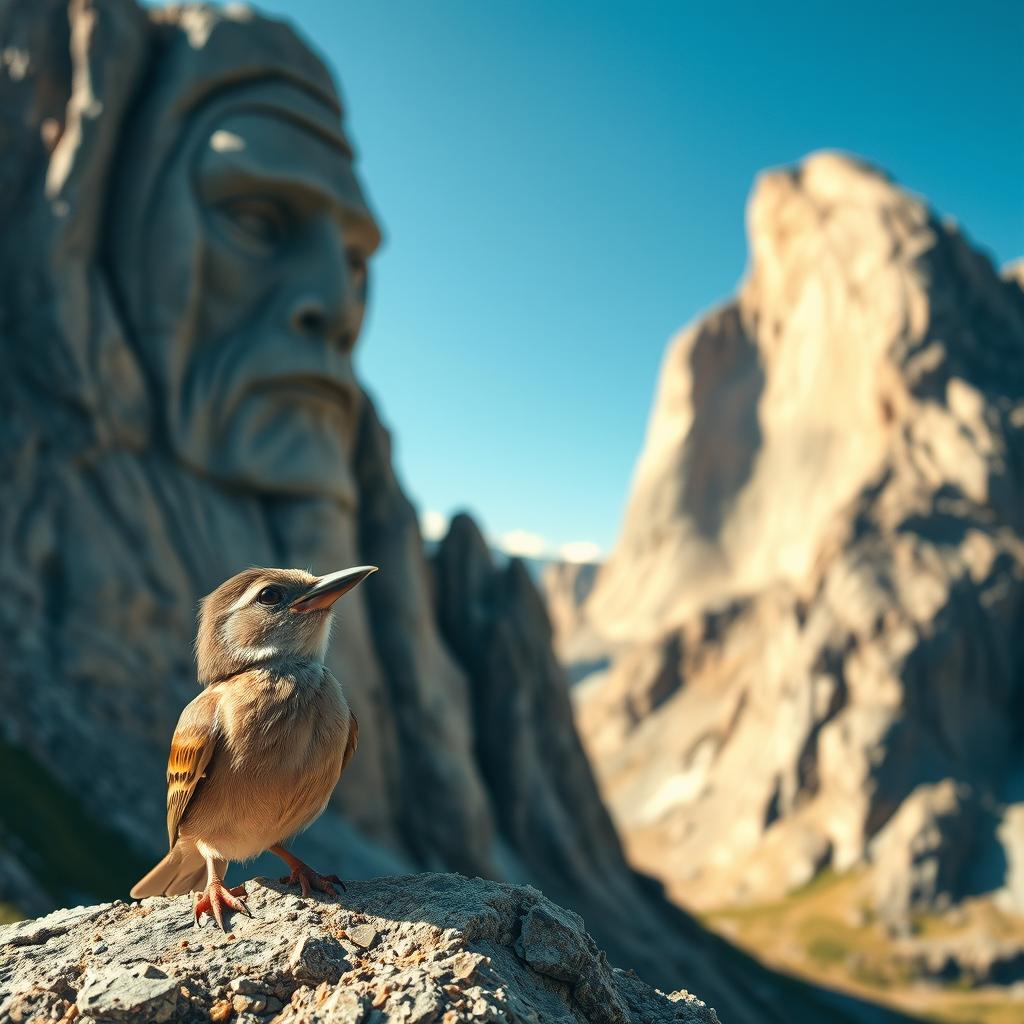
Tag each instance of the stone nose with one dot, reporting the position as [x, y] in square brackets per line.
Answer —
[326, 303]
[314, 317]
[325, 318]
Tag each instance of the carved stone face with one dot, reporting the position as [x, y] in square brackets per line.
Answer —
[257, 239]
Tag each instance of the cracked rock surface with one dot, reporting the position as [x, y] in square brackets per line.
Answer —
[416, 949]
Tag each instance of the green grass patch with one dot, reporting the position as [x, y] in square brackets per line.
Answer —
[827, 950]
[9, 913]
[72, 856]
[871, 974]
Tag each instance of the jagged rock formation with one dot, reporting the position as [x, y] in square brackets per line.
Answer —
[182, 281]
[494, 622]
[426, 949]
[814, 605]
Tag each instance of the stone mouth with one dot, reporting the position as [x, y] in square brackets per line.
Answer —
[339, 396]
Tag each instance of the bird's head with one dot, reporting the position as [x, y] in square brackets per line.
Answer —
[266, 615]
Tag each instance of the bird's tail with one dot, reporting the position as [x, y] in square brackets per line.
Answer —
[182, 870]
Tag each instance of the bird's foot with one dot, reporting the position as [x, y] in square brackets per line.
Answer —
[213, 901]
[304, 876]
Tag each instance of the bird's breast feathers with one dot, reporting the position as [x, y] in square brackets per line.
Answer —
[286, 720]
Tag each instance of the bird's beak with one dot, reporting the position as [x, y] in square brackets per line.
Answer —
[329, 588]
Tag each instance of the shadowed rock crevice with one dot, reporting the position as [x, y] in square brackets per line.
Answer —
[727, 380]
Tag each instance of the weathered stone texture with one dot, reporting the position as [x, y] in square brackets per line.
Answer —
[424, 949]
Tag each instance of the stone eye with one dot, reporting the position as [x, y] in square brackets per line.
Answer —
[261, 223]
[270, 595]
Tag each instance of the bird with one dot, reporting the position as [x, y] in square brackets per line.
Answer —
[255, 756]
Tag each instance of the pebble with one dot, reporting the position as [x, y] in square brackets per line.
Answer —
[363, 935]
[243, 986]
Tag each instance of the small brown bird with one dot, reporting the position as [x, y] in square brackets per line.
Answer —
[255, 756]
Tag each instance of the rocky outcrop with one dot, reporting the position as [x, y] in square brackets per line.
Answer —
[494, 619]
[922, 855]
[813, 607]
[424, 949]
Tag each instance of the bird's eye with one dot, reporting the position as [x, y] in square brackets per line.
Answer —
[270, 595]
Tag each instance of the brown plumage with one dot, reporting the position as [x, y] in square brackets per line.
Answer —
[255, 756]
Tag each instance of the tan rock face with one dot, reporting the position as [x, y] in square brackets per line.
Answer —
[812, 607]
[1014, 272]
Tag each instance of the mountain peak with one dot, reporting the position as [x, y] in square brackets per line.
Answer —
[810, 607]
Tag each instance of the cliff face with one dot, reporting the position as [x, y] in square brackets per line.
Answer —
[420, 950]
[813, 607]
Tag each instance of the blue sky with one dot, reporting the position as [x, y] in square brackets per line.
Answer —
[562, 186]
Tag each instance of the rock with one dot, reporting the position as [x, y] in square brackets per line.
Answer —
[139, 993]
[450, 948]
[812, 609]
[363, 935]
[494, 621]
[1014, 272]
[970, 961]
[313, 959]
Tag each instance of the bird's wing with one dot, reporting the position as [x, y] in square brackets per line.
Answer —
[351, 743]
[192, 746]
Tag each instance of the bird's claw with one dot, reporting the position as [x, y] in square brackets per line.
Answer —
[213, 901]
[308, 879]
